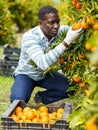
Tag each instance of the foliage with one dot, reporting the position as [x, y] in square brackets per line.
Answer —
[80, 61]
[6, 25]
[86, 106]
[25, 12]
[17, 15]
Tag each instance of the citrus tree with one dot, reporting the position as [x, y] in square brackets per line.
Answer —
[79, 63]
[6, 25]
[25, 12]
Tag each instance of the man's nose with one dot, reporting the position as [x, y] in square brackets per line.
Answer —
[56, 25]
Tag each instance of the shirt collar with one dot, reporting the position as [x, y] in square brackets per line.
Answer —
[41, 33]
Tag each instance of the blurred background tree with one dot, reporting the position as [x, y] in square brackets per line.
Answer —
[25, 12]
[17, 16]
[6, 24]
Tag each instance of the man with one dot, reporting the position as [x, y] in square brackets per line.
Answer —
[35, 42]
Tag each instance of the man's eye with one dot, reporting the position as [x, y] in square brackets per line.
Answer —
[51, 23]
[58, 21]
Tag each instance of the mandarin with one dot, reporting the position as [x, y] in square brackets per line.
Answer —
[44, 114]
[76, 26]
[45, 120]
[79, 5]
[60, 110]
[29, 115]
[74, 2]
[43, 108]
[82, 85]
[53, 115]
[77, 79]
[88, 46]
[19, 115]
[15, 118]
[26, 109]
[35, 120]
[95, 26]
[59, 115]
[18, 109]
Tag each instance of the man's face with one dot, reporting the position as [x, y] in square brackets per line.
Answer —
[50, 25]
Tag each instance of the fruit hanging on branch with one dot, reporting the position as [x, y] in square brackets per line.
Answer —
[77, 4]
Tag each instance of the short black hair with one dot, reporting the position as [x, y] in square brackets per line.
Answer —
[46, 10]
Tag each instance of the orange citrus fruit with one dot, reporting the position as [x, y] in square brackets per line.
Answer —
[88, 46]
[15, 118]
[44, 114]
[59, 115]
[60, 110]
[19, 114]
[82, 85]
[81, 56]
[93, 49]
[84, 25]
[18, 109]
[79, 5]
[53, 115]
[77, 79]
[86, 91]
[74, 2]
[43, 108]
[23, 118]
[95, 26]
[35, 120]
[76, 26]
[26, 109]
[35, 112]
[30, 115]
[45, 120]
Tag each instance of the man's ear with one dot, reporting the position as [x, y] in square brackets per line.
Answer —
[40, 22]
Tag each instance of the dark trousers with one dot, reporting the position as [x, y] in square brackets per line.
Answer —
[55, 88]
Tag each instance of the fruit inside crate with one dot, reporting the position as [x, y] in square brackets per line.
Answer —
[8, 123]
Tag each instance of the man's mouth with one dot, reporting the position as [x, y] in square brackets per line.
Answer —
[54, 32]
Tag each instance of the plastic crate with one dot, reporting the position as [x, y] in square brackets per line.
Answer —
[7, 67]
[11, 54]
[11, 58]
[9, 51]
[9, 124]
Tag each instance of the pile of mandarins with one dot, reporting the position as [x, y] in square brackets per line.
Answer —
[36, 115]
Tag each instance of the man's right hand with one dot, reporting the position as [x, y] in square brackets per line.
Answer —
[72, 35]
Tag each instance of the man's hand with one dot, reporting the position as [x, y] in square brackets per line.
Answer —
[72, 35]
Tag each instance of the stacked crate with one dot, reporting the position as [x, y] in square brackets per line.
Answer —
[9, 61]
[9, 124]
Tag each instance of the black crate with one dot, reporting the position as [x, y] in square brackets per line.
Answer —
[7, 64]
[7, 67]
[11, 58]
[9, 124]
[9, 51]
